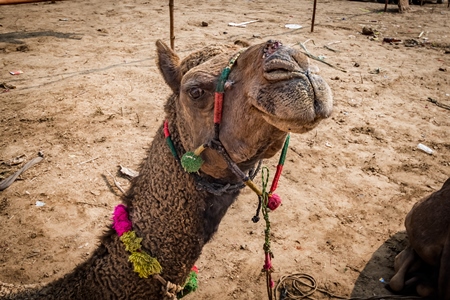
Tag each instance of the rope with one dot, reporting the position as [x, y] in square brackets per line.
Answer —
[219, 188]
[268, 255]
[169, 289]
[299, 286]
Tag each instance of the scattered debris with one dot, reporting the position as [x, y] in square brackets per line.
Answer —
[293, 26]
[375, 71]
[307, 53]
[411, 43]
[15, 161]
[331, 49]
[128, 172]
[40, 203]
[392, 40]
[22, 48]
[89, 160]
[95, 193]
[438, 103]
[443, 69]
[16, 72]
[369, 31]
[425, 148]
[204, 24]
[8, 181]
[327, 46]
[117, 183]
[243, 24]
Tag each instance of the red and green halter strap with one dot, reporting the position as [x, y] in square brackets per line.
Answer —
[192, 162]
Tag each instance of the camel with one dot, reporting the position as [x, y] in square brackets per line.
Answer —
[424, 266]
[269, 91]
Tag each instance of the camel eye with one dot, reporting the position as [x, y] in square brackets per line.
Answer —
[196, 93]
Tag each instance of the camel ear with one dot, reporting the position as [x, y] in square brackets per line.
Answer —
[169, 65]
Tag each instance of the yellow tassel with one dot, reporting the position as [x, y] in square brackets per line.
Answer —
[131, 242]
[144, 264]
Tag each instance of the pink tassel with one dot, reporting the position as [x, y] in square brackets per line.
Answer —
[267, 262]
[121, 223]
[273, 202]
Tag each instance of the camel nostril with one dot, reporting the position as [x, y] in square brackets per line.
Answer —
[271, 47]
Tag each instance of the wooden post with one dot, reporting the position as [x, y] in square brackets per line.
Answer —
[314, 16]
[172, 36]
[385, 5]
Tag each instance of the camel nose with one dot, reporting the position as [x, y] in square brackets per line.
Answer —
[271, 47]
[283, 63]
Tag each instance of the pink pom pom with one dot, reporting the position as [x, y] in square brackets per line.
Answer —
[274, 202]
[272, 284]
[121, 223]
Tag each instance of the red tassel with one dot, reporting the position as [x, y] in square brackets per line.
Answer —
[276, 179]
[218, 101]
[166, 129]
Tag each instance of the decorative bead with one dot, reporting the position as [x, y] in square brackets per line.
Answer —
[273, 202]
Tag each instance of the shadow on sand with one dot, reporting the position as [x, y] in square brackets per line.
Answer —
[380, 265]
[17, 37]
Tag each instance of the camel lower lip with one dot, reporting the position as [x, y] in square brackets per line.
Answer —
[279, 75]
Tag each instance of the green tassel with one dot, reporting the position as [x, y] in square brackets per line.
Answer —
[131, 242]
[144, 264]
[191, 285]
[191, 162]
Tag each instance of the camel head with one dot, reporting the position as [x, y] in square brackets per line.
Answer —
[270, 91]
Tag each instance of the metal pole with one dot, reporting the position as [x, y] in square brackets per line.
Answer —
[172, 36]
[314, 16]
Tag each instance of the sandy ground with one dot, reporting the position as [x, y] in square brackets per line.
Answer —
[90, 97]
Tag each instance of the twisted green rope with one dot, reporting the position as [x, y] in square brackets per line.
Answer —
[265, 210]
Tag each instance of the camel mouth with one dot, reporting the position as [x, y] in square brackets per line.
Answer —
[280, 70]
[298, 98]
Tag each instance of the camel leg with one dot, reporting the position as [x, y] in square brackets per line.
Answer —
[403, 261]
[444, 271]
[425, 290]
